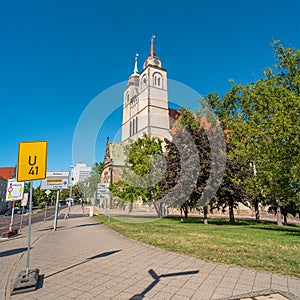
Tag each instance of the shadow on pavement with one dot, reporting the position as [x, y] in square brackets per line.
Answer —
[104, 254]
[40, 282]
[50, 228]
[92, 224]
[12, 252]
[156, 278]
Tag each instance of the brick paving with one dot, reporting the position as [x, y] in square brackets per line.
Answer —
[85, 260]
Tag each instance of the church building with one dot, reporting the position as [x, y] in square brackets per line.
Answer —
[145, 111]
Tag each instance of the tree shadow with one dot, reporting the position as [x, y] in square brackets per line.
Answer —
[212, 221]
[157, 278]
[288, 230]
[12, 252]
[104, 254]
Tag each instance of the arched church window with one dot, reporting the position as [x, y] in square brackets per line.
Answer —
[157, 80]
[127, 98]
[144, 81]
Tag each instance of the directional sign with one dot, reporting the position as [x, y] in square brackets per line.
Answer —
[32, 160]
[14, 190]
[55, 180]
[58, 173]
[103, 190]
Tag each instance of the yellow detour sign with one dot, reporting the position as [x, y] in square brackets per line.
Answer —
[32, 161]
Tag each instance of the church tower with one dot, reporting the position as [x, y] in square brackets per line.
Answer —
[145, 106]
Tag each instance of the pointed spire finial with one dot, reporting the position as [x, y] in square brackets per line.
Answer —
[136, 71]
[152, 52]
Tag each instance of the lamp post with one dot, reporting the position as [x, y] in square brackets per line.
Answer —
[71, 181]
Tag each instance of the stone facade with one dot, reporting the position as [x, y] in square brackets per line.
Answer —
[145, 111]
[145, 104]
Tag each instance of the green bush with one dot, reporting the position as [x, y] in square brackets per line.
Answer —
[42, 205]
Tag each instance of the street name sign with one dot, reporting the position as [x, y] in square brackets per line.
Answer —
[32, 160]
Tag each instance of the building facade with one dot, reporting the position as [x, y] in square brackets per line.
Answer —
[145, 101]
[80, 172]
[5, 174]
[145, 111]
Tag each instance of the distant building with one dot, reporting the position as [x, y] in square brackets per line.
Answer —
[5, 174]
[80, 172]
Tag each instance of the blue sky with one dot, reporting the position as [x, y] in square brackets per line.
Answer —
[57, 56]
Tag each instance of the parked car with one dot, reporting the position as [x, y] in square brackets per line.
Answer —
[21, 210]
[8, 213]
[62, 203]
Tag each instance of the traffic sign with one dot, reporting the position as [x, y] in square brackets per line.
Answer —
[103, 190]
[32, 160]
[24, 200]
[55, 180]
[14, 190]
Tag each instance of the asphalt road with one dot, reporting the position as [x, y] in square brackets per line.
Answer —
[36, 217]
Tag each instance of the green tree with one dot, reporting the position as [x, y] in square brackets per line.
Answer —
[90, 185]
[142, 175]
[263, 119]
[229, 191]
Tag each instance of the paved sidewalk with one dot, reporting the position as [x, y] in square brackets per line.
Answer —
[85, 260]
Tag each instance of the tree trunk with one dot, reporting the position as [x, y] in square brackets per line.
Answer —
[285, 218]
[256, 208]
[205, 214]
[278, 212]
[157, 210]
[231, 213]
[161, 210]
[185, 210]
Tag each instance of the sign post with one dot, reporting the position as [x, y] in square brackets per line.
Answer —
[55, 180]
[47, 193]
[56, 210]
[14, 192]
[23, 204]
[29, 230]
[32, 164]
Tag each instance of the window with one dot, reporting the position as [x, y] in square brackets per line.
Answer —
[157, 80]
[130, 133]
[126, 98]
[144, 81]
[136, 124]
[133, 127]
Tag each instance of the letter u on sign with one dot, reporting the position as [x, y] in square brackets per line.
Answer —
[32, 160]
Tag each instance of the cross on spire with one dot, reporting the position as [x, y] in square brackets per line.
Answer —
[152, 51]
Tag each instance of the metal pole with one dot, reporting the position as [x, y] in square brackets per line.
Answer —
[29, 229]
[12, 216]
[56, 210]
[46, 211]
[70, 196]
[22, 218]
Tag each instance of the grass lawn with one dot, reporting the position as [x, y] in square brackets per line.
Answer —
[263, 246]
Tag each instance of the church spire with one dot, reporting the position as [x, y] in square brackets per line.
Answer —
[135, 70]
[152, 59]
[152, 51]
